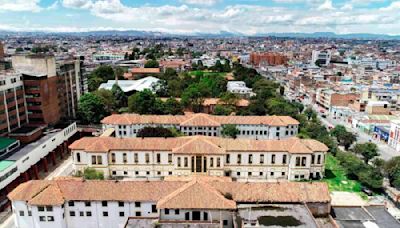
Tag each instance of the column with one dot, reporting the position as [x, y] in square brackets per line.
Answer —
[45, 164]
[36, 171]
[53, 157]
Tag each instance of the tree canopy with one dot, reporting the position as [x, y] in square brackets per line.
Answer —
[230, 130]
[91, 108]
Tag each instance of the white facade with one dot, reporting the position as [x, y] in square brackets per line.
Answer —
[142, 163]
[240, 88]
[323, 57]
[394, 136]
[32, 153]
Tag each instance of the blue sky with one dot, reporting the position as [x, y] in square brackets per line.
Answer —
[207, 16]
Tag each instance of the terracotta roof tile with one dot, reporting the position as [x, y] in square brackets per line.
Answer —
[198, 193]
[199, 118]
[198, 144]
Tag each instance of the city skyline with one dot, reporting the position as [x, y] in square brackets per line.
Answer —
[247, 17]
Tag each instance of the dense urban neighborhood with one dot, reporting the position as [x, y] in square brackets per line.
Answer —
[125, 129]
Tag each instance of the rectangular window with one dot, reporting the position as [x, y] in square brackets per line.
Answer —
[166, 211]
[120, 204]
[297, 161]
[49, 208]
[138, 214]
[303, 161]
[211, 162]
[99, 160]
[186, 162]
[177, 211]
[121, 214]
[250, 159]
[113, 158]
[218, 162]
[21, 213]
[78, 157]
[93, 160]
[154, 208]
[124, 158]
[50, 218]
[261, 158]
[169, 158]
[147, 158]
[104, 203]
[272, 174]
[87, 204]
[228, 158]
[312, 159]
[72, 213]
[42, 218]
[88, 213]
[273, 159]
[105, 214]
[40, 208]
[284, 158]
[71, 203]
[158, 158]
[319, 159]
[137, 204]
[179, 161]
[239, 158]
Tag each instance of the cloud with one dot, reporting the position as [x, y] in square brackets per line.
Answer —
[201, 2]
[20, 5]
[327, 5]
[77, 4]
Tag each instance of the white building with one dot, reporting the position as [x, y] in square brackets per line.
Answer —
[199, 202]
[323, 58]
[394, 136]
[242, 159]
[130, 86]
[255, 127]
[240, 88]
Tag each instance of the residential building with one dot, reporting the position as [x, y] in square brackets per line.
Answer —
[328, 98]
[255, 127]
[13, 108]
[112, 57]
[52, 88]
[196, 202]
[267, 59]
[239, 88]
[394, 136]
[1, 51]
[242, 159]
[321, 58]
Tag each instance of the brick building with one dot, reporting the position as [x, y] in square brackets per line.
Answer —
[257, 59]
[13, 112]
[52, 87]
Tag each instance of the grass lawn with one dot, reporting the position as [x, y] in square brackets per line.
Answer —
[206, 73]
[335, 177]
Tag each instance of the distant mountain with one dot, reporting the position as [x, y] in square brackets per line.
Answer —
[221, 34]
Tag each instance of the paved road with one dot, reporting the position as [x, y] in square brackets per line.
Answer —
[65, 169]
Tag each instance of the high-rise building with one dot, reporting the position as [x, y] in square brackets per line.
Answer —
[1, 51]
[13, 110]
[321, 58]
[52, 87]
[272, 59]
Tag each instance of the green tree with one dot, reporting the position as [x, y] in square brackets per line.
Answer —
[100, 75]
[230, 130]
[91, 108]
[145, 102]
[310, 113]
[152, 64]
[193, 97]
[173, 107]
[229, 98]
[155, 132]
[92, 174]
[392, 170]
[367, 150]
[344, 137]
[107, 98]
[121, 100]
[223, 110]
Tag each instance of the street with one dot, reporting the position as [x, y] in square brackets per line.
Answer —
[64, 169]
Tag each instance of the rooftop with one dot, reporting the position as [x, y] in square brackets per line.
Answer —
[196, 193]
[198, 145]
[5, 164]
[6, 142]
